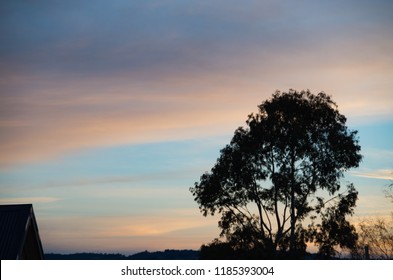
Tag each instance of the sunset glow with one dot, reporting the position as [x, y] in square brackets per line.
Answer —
[111, 110]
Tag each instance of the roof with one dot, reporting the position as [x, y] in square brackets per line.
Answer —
[19, 238]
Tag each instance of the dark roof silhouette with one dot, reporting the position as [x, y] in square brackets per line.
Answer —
[19, 237]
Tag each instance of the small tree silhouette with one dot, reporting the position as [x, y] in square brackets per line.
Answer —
[376, 235]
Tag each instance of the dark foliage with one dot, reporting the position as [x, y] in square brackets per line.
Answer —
[164, 255]
[85, 256]
[277, 172]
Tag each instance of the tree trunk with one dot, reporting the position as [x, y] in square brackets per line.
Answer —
[293, 216]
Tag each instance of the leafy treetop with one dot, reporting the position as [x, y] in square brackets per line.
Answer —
[269, 178]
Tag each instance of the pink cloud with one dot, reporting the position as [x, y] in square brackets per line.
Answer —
[49, 115]
[175, 230]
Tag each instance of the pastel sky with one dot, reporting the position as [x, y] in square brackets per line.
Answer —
[111, 110]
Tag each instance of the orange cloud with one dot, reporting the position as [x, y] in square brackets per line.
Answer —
[28, 200]
[54, 124]
[179, 229]
[52, 117]
[385, 174]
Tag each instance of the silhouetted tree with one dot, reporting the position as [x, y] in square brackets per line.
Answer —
[267, 181]
[376, 235]
[334, 230]
[389, 191]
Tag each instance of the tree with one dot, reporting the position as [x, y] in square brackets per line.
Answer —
[389, 192]
[375, 238]
[376, 235]
[284, 167]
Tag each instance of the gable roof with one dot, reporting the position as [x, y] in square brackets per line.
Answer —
[19, 237]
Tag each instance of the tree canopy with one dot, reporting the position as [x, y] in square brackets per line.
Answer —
[283, 169]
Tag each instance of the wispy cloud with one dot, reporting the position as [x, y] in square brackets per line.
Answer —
[28, 200]
[126, 233]
[384, 174]
[156, 73]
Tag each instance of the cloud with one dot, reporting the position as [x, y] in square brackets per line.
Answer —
[179, 229]
[384, 174]
[77, 75]
[60, 120]
[28, 200]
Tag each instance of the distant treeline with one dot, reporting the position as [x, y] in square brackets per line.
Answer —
[161, 255]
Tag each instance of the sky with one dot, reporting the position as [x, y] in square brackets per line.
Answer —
[111, 110]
